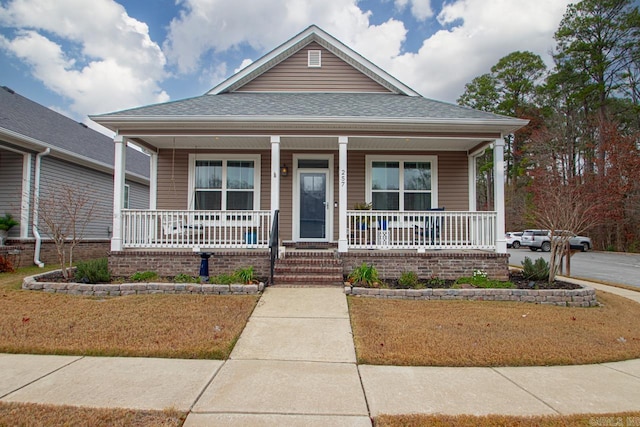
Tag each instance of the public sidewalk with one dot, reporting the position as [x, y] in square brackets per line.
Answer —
[295, 365]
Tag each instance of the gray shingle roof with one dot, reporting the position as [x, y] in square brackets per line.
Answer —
[32, 120]
[308, 105]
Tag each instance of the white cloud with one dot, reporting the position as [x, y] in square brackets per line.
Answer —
[420, 9]
[475, 34]
[217, 26]
[245, 63]
[482, 32]
[98, 57]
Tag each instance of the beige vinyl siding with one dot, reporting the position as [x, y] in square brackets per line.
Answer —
[453, 181]
[293, 75]
[173, 177]
[286, 197]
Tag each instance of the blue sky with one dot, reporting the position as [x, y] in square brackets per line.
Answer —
[83, 57]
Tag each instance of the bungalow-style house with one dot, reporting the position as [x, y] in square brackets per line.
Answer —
[286, 153]
[42, 153]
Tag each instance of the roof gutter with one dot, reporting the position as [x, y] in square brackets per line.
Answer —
[36, 207]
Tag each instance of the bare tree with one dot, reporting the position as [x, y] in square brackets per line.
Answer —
[66, 212]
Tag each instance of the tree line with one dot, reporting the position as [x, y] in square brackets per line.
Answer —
[579, 157]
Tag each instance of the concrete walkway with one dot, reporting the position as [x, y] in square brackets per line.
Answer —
[295, 365]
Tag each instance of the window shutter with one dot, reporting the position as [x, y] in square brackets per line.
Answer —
[314, 59]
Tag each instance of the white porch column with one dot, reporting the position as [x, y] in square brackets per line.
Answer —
[343, 243]
[153, 181]
[275, 176]
[119, 168]
[498, 170]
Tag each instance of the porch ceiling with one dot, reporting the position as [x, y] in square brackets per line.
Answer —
[371, 143]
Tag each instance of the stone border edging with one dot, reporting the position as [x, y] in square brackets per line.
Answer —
[104, 290]
[585, 297]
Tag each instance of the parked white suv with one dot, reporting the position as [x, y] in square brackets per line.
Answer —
[513, 239]
[536, 239]
[541, 239]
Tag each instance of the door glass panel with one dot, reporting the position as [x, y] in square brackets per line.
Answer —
[313, 197]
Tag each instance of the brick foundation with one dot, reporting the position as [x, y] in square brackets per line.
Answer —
[21, 253]
[172, 263]
[437, 264]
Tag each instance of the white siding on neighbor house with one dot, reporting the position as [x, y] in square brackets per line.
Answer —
[57, 174]
[11, 186]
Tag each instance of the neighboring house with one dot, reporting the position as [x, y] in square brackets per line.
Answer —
[42, 151]
[311, 130]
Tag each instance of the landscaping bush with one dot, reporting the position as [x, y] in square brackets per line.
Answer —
[364, 275]
[538, 270]
[185, 278]
[93, 271]
[409, 279]
[480, 280]
[244, 275]
[144, 276]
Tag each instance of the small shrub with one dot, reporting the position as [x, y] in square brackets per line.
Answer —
[409, 279]
[437, 282]
[538, 270]
[144, 276]
[244, 275]
[6, 266]
[185, 278]
[223, 279]
[364, 275]
[480, 280]
[93, 271]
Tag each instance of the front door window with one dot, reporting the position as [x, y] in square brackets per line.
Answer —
[313, 205]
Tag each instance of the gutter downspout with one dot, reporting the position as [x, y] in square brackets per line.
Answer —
[36, 207]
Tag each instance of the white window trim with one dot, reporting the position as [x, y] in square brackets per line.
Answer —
[126, 197]
[369, 159]
[256, 158]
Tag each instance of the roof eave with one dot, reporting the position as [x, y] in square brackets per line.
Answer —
[116, 123]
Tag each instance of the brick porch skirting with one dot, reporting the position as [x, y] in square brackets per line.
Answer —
[172, 263]
[20, 252]
[431, 264]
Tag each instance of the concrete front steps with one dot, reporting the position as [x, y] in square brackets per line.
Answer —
[316, 268]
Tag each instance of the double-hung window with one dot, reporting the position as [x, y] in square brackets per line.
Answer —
[395, 184]
[225, 183]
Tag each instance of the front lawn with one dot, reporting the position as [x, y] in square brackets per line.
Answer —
[483, 333]
[174, 326]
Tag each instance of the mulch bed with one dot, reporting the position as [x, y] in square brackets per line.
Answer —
[514, 277]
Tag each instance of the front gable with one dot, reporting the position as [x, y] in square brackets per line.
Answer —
[313, 69]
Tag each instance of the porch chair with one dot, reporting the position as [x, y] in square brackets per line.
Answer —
[430, 231]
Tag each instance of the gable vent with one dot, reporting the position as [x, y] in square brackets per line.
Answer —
[314, 58]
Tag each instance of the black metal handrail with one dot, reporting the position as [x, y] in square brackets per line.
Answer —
[273, 243]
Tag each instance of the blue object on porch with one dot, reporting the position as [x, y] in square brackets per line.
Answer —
[204, 266]
[382, 224]
[251, 237]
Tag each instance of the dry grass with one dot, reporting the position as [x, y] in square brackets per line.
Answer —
[175, 326]
[475, 333]
[621, 419]
[35, 415]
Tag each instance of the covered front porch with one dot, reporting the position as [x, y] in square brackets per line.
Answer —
[373, 230]
[315, 198]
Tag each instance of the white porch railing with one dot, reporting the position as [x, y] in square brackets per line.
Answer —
[421, 230]
[195, 229]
